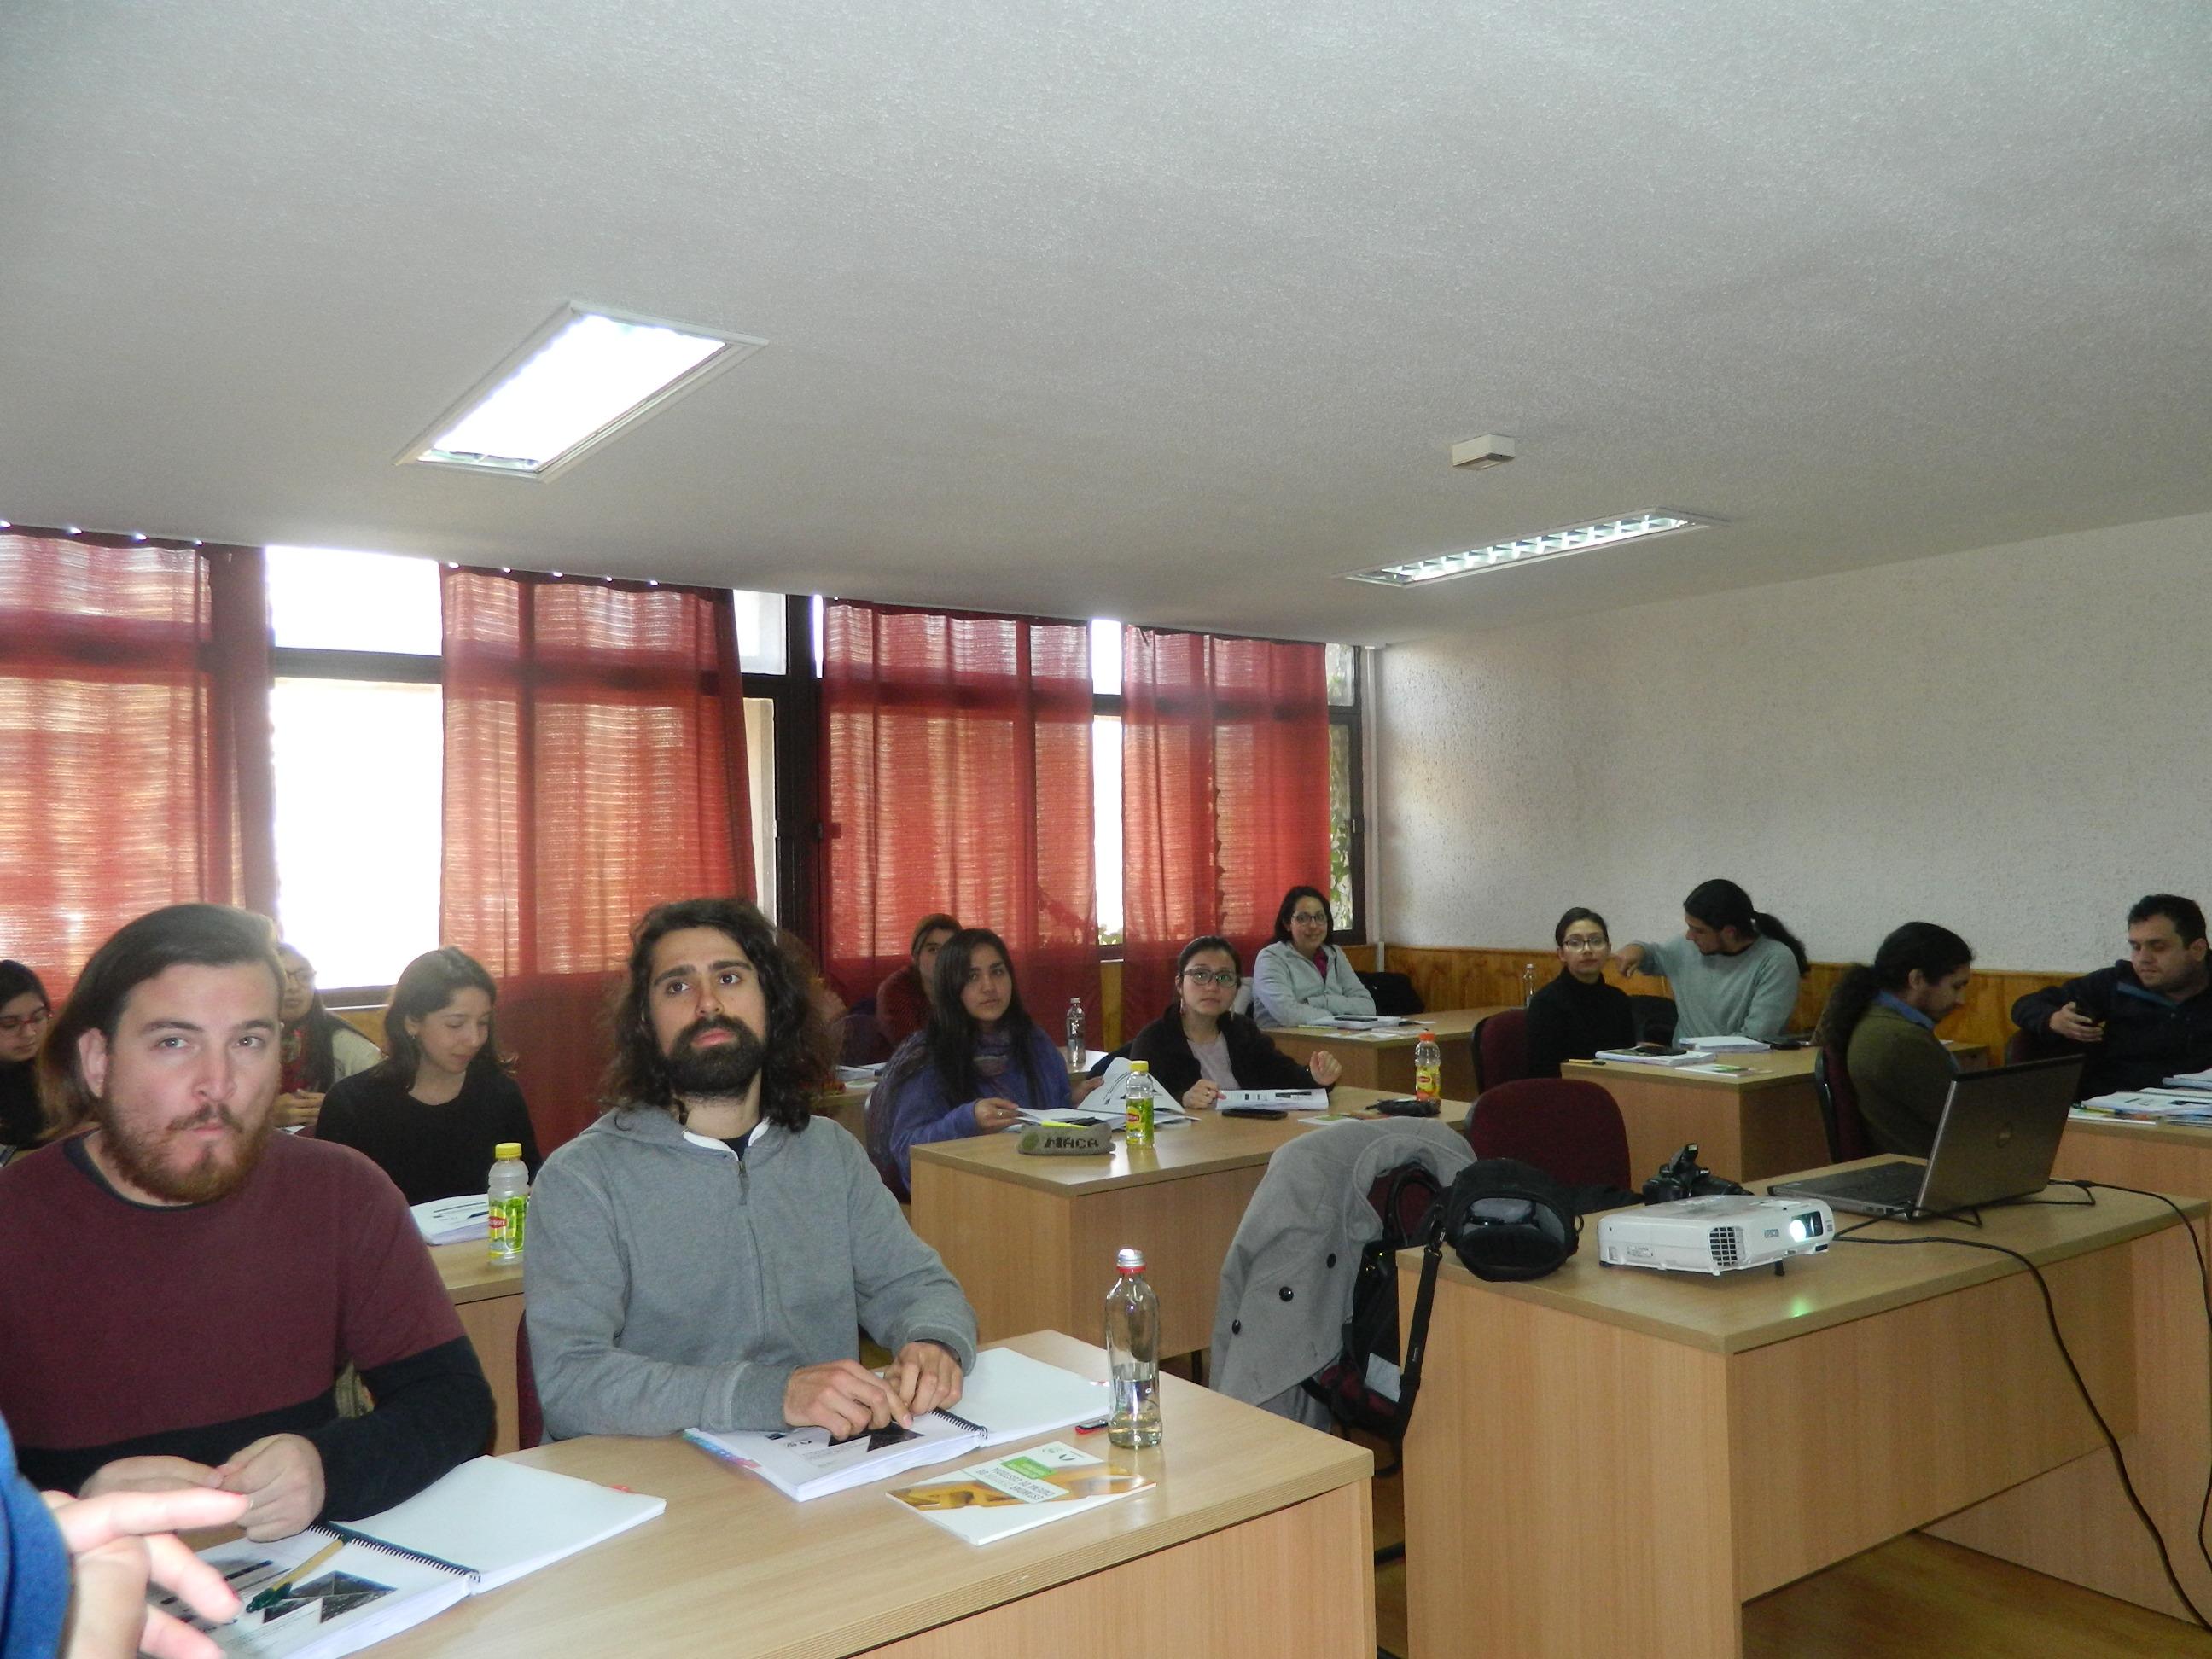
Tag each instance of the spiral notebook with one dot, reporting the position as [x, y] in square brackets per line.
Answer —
[485, 1524]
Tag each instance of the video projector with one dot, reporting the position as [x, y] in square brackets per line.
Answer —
[1715, 1235]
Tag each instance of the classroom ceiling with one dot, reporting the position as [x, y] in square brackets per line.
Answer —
[1169, 310]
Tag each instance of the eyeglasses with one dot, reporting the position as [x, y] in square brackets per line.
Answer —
[1209, 976]
[1319, 918]
[11, 1024]
[1583, 942]
[298, 976]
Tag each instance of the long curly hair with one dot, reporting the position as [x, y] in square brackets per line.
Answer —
[801, 1055]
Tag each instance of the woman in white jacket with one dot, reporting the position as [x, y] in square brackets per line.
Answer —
[1302, 978]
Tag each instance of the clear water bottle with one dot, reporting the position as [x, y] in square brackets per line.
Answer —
[1076, 1045]
[509, 1191]
[1132, 1352]
[1139, 1108]
[1428, 1068]
[1527, 983]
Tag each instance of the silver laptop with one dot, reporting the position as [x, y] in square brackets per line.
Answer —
[1998, 1139]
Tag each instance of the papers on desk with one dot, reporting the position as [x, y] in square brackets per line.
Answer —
[1276, 1100]
[1727, 1045]
[1007, 1495]
[452, 1220]
[1007, 1395]
[1638, 1057]
[2149, 1106]
[1364, 1022]
[2194, 1082]
[485, 1524]
[860, 1076]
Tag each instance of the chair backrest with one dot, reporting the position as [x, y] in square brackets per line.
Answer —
[1501, 1048]
[2024, 1046]
[528, 1416]
[1653, 1017]
[859, 1039]
[1241, 1002]
[1394, 993]
[1840, 1107]
[1570, 1129]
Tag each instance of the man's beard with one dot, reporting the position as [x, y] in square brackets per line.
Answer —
[138, 1155]
[727, 1069]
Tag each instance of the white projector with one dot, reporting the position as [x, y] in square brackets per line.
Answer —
[1715, 1235]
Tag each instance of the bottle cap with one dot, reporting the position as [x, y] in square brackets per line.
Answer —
[506, 1149]
[1130, 1262]
[1143, 1067]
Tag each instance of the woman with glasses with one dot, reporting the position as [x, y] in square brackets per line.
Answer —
[972, 1069]
[24, 1011]
[316, 1046]
[1302, 978]
[1578, 1014]
[1199, 1048]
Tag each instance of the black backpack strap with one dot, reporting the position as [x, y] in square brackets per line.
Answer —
[1417, 1334]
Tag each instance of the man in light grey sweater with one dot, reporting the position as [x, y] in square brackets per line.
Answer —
[706, 1254]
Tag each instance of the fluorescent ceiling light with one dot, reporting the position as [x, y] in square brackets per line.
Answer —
[1550, 544]
[575, 383]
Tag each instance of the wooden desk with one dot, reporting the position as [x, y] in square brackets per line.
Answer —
[1255, 1542]
[1031, 1240]
[1384, 1060]
[2155, 1157]
[1751, 1127]
[1656, 1450]
[488, 1299]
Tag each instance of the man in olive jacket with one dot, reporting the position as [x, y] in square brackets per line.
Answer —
[705, 1254]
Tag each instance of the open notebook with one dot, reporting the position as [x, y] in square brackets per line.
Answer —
[1007, 1397]
[485, 1524]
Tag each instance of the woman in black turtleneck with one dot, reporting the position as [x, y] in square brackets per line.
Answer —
[23, 1012]
[1577, 1013]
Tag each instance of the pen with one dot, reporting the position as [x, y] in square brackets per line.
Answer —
[277, 1591]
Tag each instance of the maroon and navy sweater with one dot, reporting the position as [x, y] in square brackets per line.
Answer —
[129, 1329]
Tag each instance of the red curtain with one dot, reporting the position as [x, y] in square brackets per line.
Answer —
[1225, 797]
[134, 739]
[956, 754]
[595, 766]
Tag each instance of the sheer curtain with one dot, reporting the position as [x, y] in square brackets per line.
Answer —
[134, 739]
[956, 756]
[595, 766]
[1224, 796]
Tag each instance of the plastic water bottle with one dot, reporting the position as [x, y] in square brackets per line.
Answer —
[508, 1193]
[1527, 983]
[1137, 1108]
[1428, 1068]
[1076, 1045]
[1132, 1351]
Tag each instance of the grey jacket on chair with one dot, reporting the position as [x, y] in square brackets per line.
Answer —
[1286, 1285]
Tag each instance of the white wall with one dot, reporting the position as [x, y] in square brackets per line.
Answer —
[2014, 742]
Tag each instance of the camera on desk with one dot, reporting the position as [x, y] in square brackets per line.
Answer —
[1682, 1177]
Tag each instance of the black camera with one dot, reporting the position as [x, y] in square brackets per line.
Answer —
[1683, 1176]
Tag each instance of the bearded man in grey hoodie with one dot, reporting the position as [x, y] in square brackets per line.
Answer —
[706, 1254]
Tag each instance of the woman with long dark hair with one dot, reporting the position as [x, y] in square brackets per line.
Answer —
[431, 1113]
[979, 1063]
[1577, 1013]
[1301, 977]
[1883, 1019]
[1735, 971]
[24, 1011]
[316, 1046]
[1198, 1048]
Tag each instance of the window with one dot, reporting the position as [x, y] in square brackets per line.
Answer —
[1346, 827]
[1106, 816]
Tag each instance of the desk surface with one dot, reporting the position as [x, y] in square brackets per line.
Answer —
[735, 1567]
[1451, 1023]
[1735, 1312]
[1768, 1069]
[1209, 1143]
[470, 1275]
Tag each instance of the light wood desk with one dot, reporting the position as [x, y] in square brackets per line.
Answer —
[1254, 1543]
[2155, 1157]
[1384, 1060]
[1656, 1449]
[1031, 1240]
[488, 1299]
[1749, 1127]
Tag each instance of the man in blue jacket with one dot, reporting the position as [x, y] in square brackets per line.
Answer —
[2143, 1019]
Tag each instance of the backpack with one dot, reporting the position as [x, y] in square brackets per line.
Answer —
[1508, 1220]
[1364, 1387]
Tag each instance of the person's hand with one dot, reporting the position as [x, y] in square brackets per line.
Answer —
[1200, 1096]
[843, 1396]
[1325, 1068]
[1627, 959]
[1083, 1088]
[2076, 1026]
[119, 1543]
[148, 1474]
[993, 1114]
[298, 1111]
[924, 1377]
[282, 1474]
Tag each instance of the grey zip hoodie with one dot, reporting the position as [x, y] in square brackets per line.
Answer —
[671, 1284]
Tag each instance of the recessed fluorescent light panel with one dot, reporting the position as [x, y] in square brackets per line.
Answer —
[575, 383]
[1551, 544]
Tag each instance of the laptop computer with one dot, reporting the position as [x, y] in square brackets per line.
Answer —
[1997, 1139]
